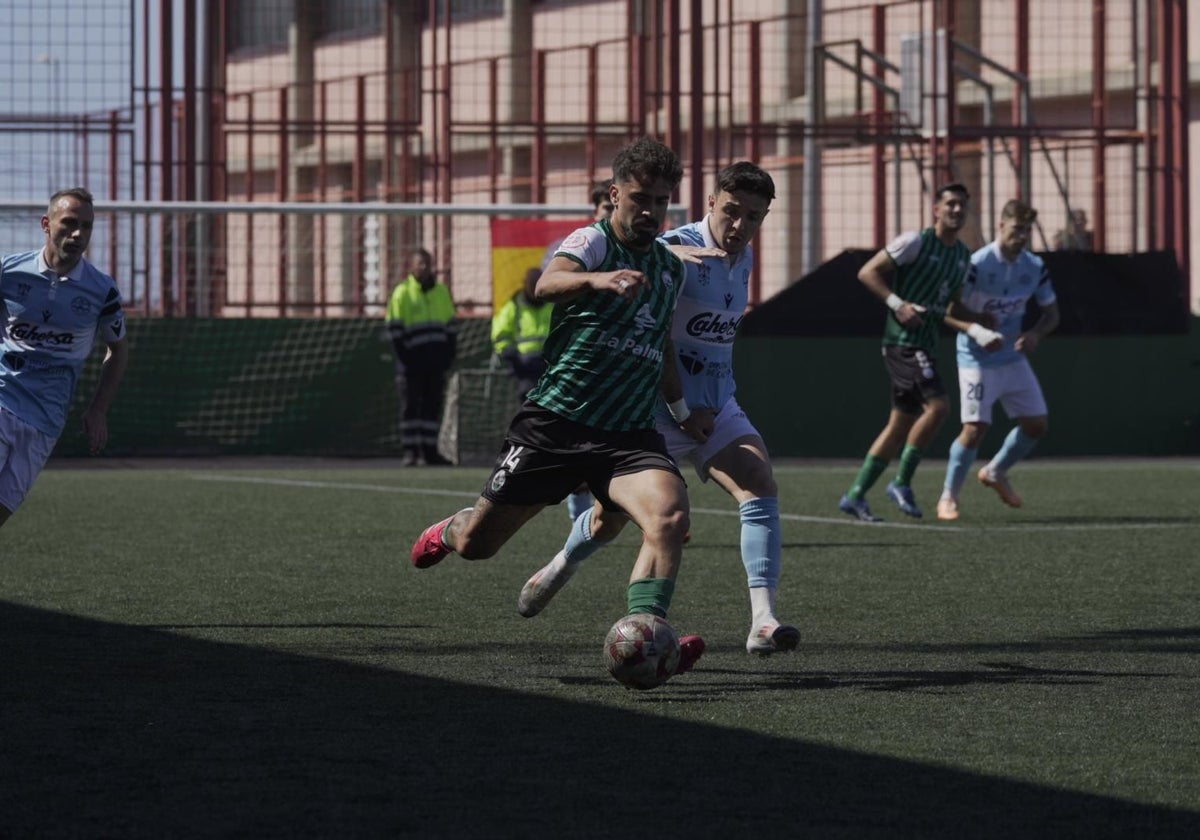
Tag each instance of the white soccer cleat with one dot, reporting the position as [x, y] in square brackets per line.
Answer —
[947, 509]
[1001, 485]
[544, 585]
[772, 638]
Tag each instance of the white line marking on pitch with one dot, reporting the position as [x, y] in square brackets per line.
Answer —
[790, 517]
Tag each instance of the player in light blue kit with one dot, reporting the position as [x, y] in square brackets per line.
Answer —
[707, 315]
[53, 304]
[1003, 278]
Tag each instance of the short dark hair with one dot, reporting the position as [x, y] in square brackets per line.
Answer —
[647, 160]
[72, 192]
[600, 192]
[745, 176]
[954, 187]
[1019, 210]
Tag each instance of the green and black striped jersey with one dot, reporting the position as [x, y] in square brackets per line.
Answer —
[928, 273]
[604, 354]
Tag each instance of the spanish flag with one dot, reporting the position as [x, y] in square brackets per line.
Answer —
[519, 245]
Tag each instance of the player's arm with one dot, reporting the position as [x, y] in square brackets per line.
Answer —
[95, 417]
[874, 275]
[697, 422]
[565, 279]
[1047, 322]
[694, 254]
[965, 320]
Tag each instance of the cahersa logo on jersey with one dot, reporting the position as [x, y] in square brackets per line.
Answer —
[28, 333]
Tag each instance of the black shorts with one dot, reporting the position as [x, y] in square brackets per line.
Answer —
[546, 457]
[915, 379]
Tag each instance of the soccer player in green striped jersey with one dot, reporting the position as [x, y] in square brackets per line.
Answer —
[928, 268]
[590, 418]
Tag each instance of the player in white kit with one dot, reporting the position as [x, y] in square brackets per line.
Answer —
[1004, 276]
[709, 309]
[53, 305]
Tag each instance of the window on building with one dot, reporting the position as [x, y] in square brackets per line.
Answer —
[259, 25]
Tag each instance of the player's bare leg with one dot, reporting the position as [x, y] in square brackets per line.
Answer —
[656, 500]
[475, 533]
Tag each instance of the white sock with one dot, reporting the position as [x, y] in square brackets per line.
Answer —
[762, 606]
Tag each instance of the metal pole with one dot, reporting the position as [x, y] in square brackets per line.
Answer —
[810, 238]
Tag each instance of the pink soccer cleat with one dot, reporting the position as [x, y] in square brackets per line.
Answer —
[691, 648]
[429, 549]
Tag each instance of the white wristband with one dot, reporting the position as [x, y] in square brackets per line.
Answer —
[982, 335]
[679, 410]
[894, 302]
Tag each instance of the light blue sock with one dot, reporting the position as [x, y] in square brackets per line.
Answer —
[577, 503]
[959, 464]
[1016, 446]
[762, 541]
[580, 545]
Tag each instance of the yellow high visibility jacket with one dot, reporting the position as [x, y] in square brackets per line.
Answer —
[521, 326]
[422, 324]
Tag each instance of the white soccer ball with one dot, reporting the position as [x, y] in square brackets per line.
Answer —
[641, 651]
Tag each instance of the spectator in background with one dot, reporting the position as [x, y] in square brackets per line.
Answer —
[1075, 236]
[53, 304]
[423, 328]
[519, 330]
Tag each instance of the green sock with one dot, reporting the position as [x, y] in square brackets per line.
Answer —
[909, 459]
[872, 468]
[651, 595]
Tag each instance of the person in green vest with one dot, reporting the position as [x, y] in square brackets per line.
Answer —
[422, 325]
[519, 330]
[928, 268]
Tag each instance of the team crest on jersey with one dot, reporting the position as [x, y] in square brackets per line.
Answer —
[23, 289]
[703, 274]
[498, 480]
[692, 363]
[81, 305]
[668, 280]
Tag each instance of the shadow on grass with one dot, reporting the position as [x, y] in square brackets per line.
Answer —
[116, 731]
[931, 679]
[1109, 520]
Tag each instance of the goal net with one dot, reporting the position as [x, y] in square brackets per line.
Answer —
[259, 328]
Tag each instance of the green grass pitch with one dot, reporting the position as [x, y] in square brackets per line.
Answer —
[244, 650]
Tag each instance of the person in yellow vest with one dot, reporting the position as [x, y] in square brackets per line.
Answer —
[519, 330]
[422, 325]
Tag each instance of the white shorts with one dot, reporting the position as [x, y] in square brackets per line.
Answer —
[730, 424]
[1014, 385]
[23, 453]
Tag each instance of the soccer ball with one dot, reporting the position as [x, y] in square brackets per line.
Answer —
[641, 651]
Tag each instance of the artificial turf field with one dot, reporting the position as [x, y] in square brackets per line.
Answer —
[244, 650]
